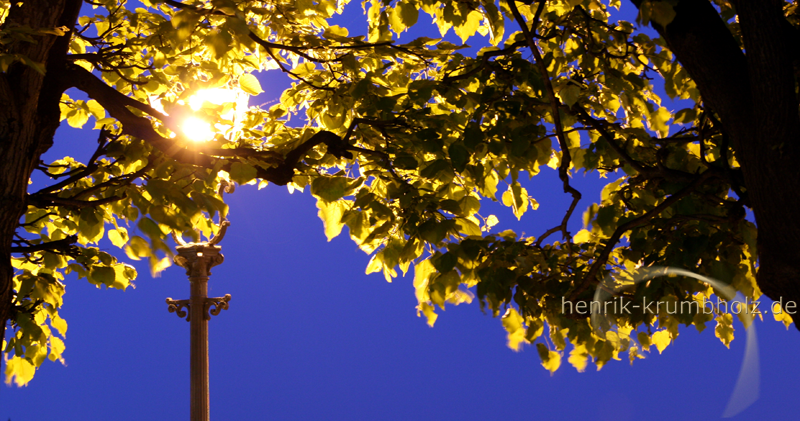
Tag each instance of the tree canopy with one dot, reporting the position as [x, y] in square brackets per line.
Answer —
[402, 139]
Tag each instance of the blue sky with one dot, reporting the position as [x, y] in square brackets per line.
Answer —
[309, 336]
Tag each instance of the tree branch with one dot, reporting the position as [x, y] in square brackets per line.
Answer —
[64, 243]
[48, 200]
[634, 223]
[566, 159]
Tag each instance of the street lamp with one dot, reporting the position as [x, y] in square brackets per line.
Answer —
[198, 259]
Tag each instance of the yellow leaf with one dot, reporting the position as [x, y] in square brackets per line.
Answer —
[508, 198]
[429, 312]
[470, 25]
[658, 121]
[724, 329]
[583, 236]
[555, 160]
[19, 370]
[118, 237]
[331, 215]
[56, 349]
[96, 109]
[250, 84]
[156, 267]
[491, 221]
[77, 118]
[579, 358]
[661, 339]
[512, 321]
[782, 316]
[551, 360]
[59, 324]
[375, 264]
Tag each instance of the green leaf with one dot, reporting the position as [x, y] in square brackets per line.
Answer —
[329, 188]
[434, 168]
[403, 15]
[242, 173]
[102, 275]
[662, 12]
[459, 156]
[569, 94]
[90, 226]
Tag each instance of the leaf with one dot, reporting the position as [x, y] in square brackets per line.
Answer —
[57, 348]
[429, 312]
[551, 360]
[329, 188]
[331, 214]
[19, 370]
[658, 121]
[468, 226]
[59, 324]
[516, 197]
[469, 26]
[250, 84]
[90, 226]
[422, 271]
[97, 110]
[513, 323]
[118, 237]
[403, 15]
[569, 94]
[77, 118]
[685, 116]
[661, 340]
[724, 329]
[459, 156]
[662, 12]
[242, 173]
[579, 358]
[782, 316]
[491, 221]
[102, 275]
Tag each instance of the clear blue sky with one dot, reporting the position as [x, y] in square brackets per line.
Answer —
[309, 336]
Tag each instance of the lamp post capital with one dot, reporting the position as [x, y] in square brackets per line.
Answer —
[198, 259]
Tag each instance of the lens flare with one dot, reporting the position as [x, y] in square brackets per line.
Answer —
[197, 129]
[746, 391]
[227, 105]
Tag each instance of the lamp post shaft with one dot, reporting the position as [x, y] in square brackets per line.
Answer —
[200, 410]
[198, 259]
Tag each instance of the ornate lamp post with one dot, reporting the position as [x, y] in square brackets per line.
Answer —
[198, 259]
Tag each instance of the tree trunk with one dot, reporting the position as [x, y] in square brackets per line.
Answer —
[29, 118]
[754, 96]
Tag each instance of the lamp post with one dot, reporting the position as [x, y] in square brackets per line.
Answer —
[198, 259]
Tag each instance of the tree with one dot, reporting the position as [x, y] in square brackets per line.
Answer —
[400, 142]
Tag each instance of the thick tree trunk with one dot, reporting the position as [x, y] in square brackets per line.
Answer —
[754, 95]
[29, 117]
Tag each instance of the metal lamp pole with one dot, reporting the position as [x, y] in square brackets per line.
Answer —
[198, 259]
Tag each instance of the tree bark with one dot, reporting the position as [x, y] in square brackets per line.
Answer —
[29, 118]
[753, 92]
